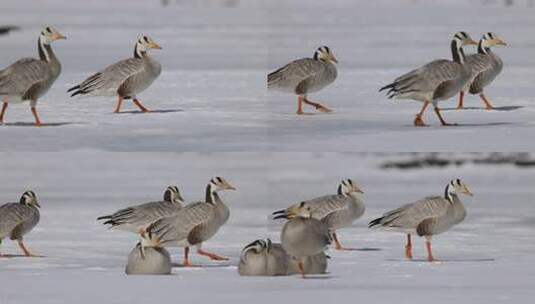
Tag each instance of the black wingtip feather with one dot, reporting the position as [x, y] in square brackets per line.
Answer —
[104, 217]
[375, 222]
[73, 88]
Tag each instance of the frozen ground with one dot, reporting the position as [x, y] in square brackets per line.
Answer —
[212, 91]
[486, 259]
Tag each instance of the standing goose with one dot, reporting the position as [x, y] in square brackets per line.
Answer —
[126, 78]
[485, 66]
[304, 76]
[438, 80]
[194, 224]
[17, 219]
[29, 78]
[136, 218]
[263, 258]
[302, 235]
[427, 217]
[337, 211]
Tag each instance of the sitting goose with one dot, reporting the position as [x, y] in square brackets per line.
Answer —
[194, 224]
[29, 78]
[438, 80]
[263, 258]
[148, 260]
[485, 66]
[314, 264]
[337, 211]
[17, 219]
[302, 235]
[126, 78]
[304, 76]
[427, 217]
[136, 218]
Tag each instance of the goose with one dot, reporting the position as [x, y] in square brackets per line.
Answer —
[485, 66]
[126, 78]
[136, 218]
[302, 235]
[427, 217]
[148, 260]
[337, 211]
[28, 79]
[438, 80]
[194, 224]
[17, 219]
[304, 76]
[263, 258]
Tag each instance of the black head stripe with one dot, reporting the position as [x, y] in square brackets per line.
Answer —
[302, 204]
[219, 179]
[146, 39]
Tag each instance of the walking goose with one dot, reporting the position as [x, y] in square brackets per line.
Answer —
[17, 219]
[136, 218]
[427, 217]
[302, 235]
[337, 211]
[263, 258]
[438, 80]
[194, 224]
[485, 66]
[126, 78]
[304, 76]
[29, 78]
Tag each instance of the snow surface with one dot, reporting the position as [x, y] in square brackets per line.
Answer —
[215, 59]
[488, 258]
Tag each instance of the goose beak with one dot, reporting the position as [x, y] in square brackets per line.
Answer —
[358, 190]
[58, 36]
[498, 41]
[333, 59]
[37, 204]
[472, 41]
[467, 191]
[154, 45]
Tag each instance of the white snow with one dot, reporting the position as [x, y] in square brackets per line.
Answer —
[486, 258]
[216, 58]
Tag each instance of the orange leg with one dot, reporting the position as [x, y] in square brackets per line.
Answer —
[488, 106]
[318, 106]
[430, 257]
[186, 262]
[37, 121]
[140, 106]
[408, 248]
[119, 103]
[461, 99]
[212, 256]
[418, 121]
[338, 246]
[4, 108]
[442, 121]
[24, 249]
[301, 269]
[299, 105]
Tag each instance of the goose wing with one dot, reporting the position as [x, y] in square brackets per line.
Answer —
[327, 205]
[296, 74]
[483, 71]
[11, 216]
[425, 79]
[177, 228]
[139, 215]
[410, 215]
[22, 75]
[109, 80]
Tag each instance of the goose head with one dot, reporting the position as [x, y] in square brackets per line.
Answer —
[323, 53]
[50, 34]
[28, 198]
[348, 186]
[172, 194]
[491, 39]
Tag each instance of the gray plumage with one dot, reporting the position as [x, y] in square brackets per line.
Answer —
[485, 65]
[17, 219]
[263, 258]
[148, 260]
[136, 218]
[126, 78]
[315, 264]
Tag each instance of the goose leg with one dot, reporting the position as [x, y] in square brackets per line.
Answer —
[212, 256]
[119, 103]
[338, 245]
[408, 248]
[4, 108]
[301, 268]
[418, 121]
[442, 121]
[300, 105]
[430, 257]
[488, 106]
[318, 106]
[140, 106]
[37, 121]
[461, 99]
[186, 262]
[24, 249]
